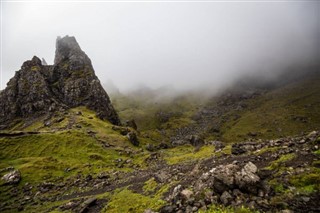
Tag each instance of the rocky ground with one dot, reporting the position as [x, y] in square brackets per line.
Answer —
[268, 176]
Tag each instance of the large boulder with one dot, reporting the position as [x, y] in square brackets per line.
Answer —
[229, 177]
[247, 179]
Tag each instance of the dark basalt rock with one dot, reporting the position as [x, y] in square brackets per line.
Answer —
[37, 89]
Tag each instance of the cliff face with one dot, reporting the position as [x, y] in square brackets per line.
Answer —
[37, 89]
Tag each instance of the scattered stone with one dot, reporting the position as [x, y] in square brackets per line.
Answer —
[186, 194]
[132, 136]
[236, 149]
[225, 198]
[167, 209]
[287, 211]
[13, 177]
[162, 176]
[131, 123]
[121, 130]
[305, 199]
[195, 140]
[87, 203]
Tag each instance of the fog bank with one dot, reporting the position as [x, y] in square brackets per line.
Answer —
[186, 45]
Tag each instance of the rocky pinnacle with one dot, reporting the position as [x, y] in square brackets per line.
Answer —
[38, 89]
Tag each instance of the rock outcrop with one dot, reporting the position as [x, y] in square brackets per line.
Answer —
[37, 89]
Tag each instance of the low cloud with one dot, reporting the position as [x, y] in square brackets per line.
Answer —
[184, 45]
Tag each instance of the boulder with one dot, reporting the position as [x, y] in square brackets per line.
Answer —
[226, 198]
[196, 141]
[162, 176]
[247, 177]
[225, 173]
[12, 177]
[186, 194]
[132, 136]
[131, 123]
[237, 149]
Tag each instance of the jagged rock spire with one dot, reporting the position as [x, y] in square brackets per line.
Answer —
[37, 89]
[67, 48]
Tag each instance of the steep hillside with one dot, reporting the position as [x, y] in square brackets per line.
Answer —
[239, 113]
[248, 149]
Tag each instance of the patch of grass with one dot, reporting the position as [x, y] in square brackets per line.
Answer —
[279, 162]
[279, 188]
[227, 150]
[187, 153]
[150, 185]
[223, 209]
[317, 152]
[35, 68]
[47, 155]
[134, 202]
[267, 149]
[308, 182]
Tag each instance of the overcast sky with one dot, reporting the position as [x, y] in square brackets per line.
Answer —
[183, 44]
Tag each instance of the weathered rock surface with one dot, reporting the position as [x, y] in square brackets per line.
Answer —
[37, 89]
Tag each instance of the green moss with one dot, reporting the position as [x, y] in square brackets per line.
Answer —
[187, 153]
[35, 68]
[308, 182]
[223, 209]
[47, 155]
[227, 150]
[279, 162]
[134, 202]
[317, 152]
[279, 188]
[150, 185]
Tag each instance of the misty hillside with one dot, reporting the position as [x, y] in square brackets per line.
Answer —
[246, 149]
[270, 109]
[160, 106]
[65, 146]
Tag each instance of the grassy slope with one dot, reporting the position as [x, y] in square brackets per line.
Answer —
[64, 151]
[288, 110]
[45, 156]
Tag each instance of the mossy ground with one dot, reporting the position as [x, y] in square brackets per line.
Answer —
[223, 209]
[187, 153]
[47, 155]
[134, 202]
